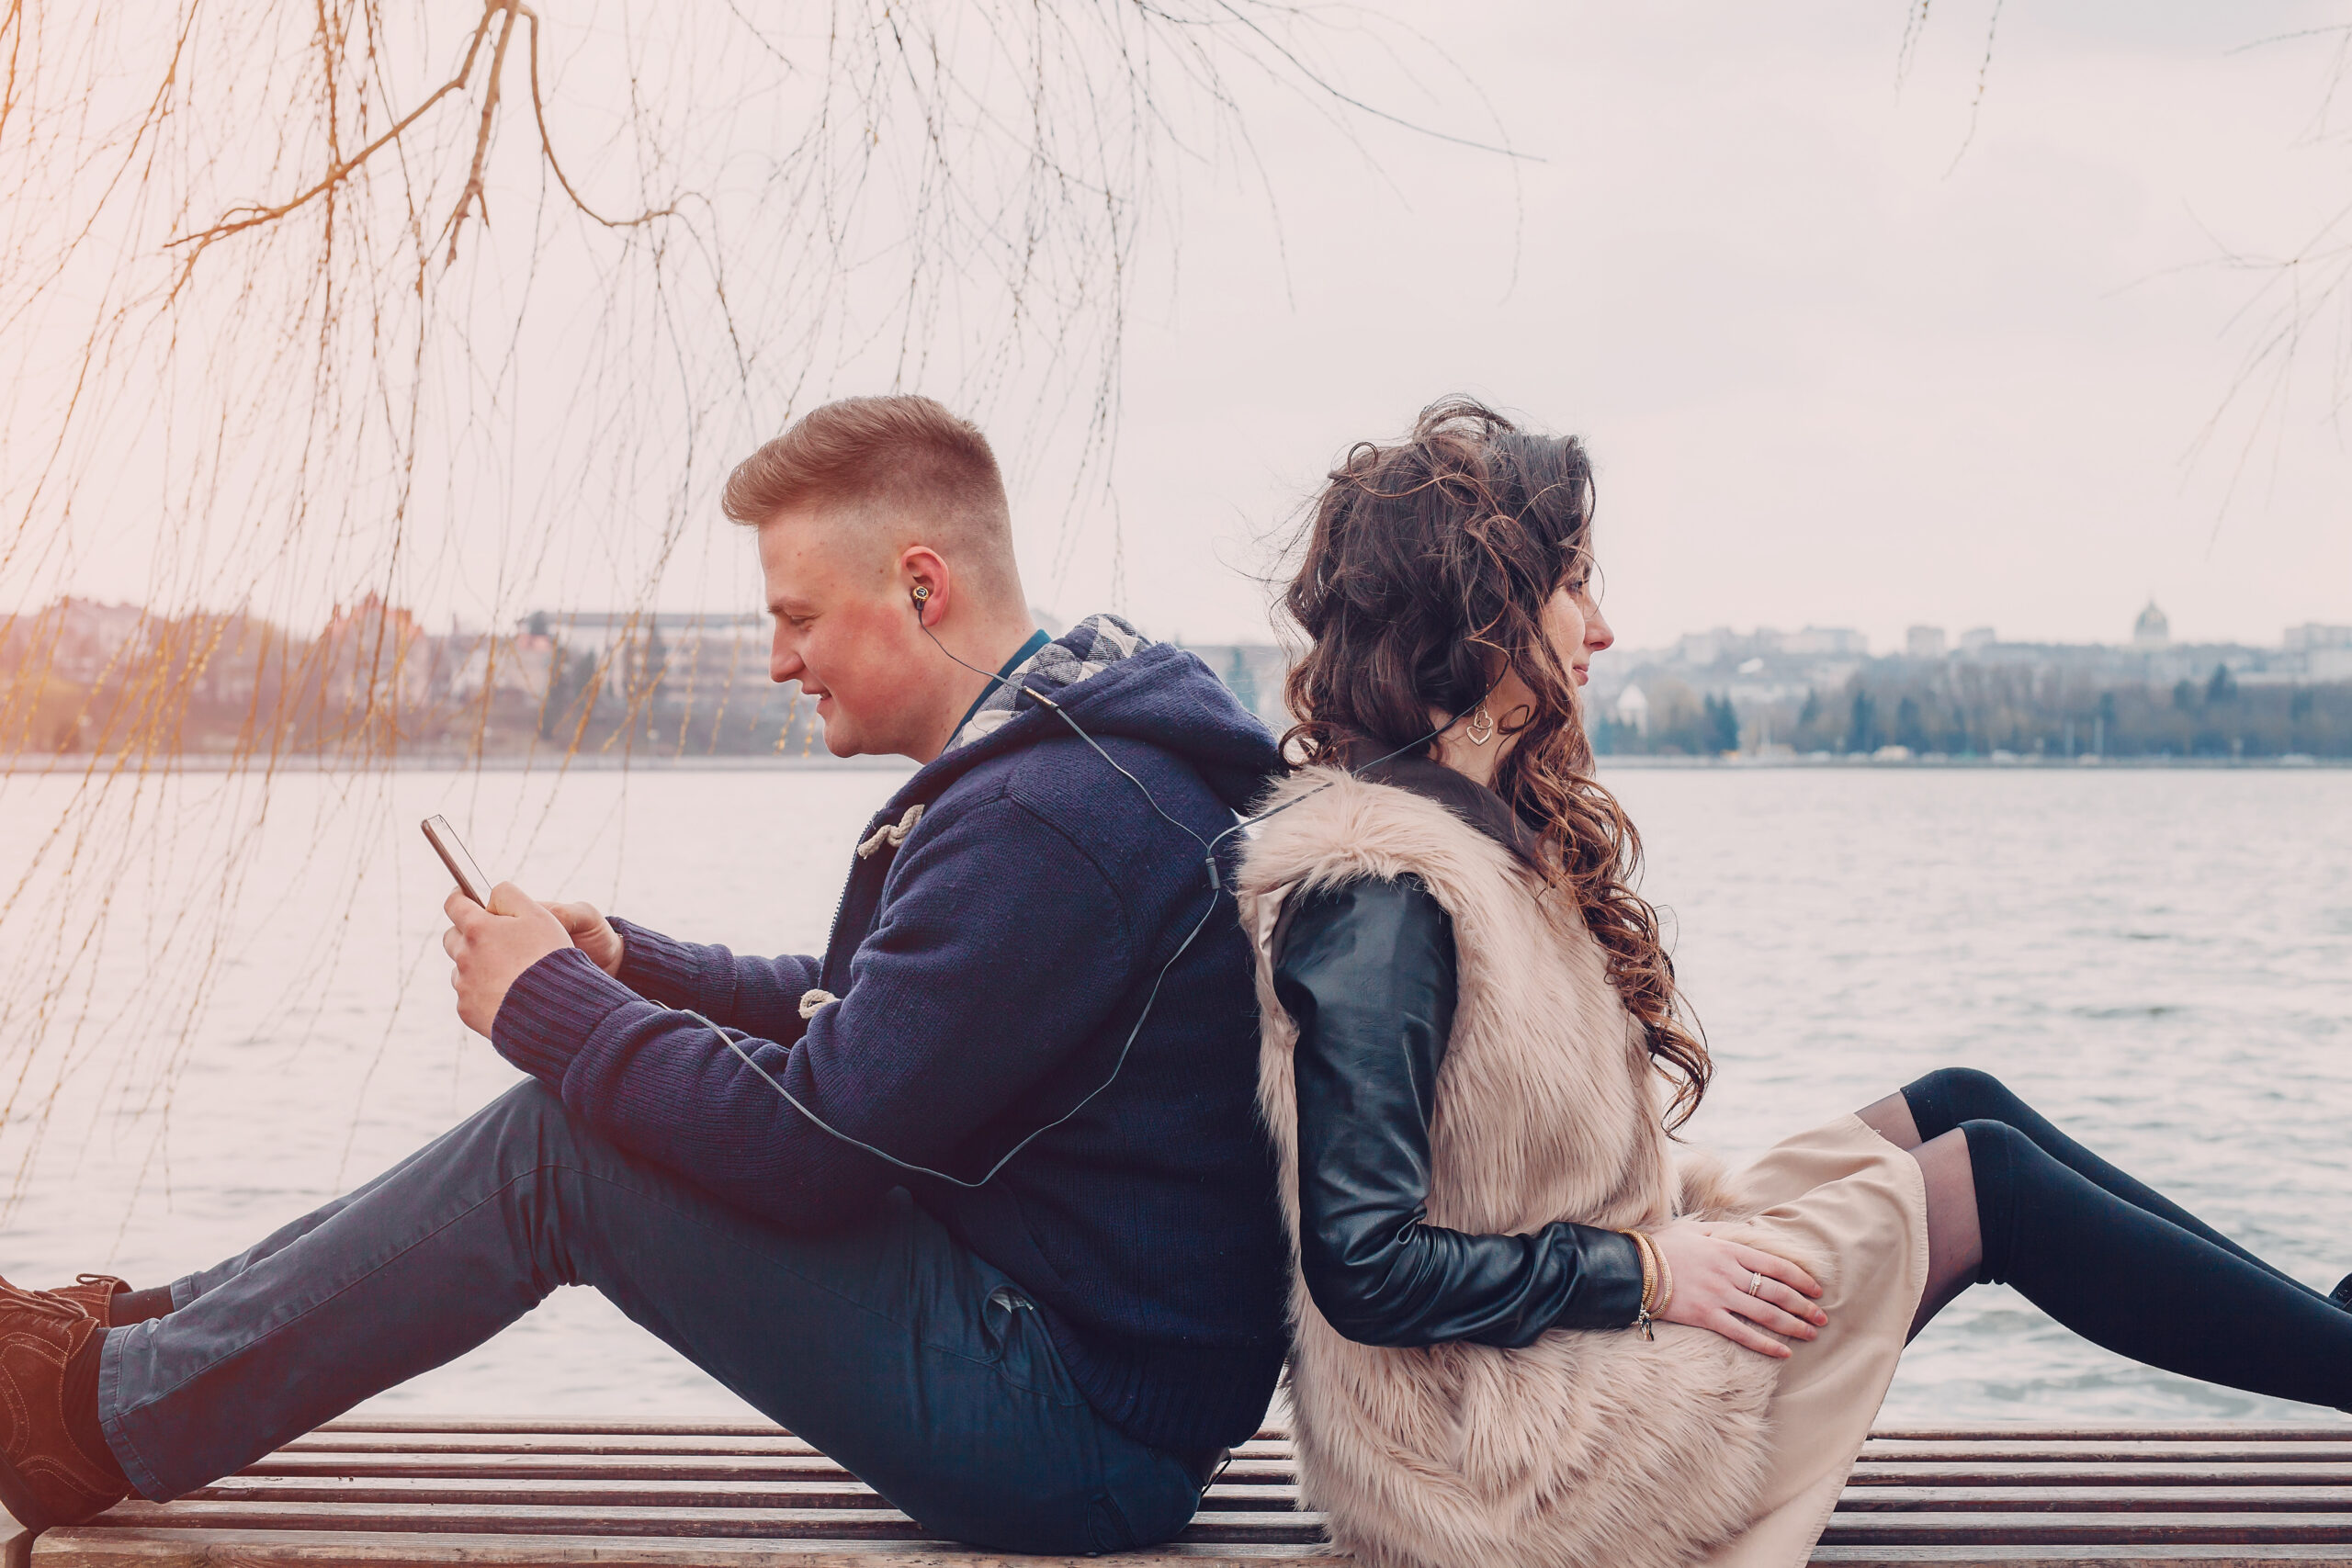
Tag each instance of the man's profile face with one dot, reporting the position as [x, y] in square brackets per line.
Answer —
[844, 627]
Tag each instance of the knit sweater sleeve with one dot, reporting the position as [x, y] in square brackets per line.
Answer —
[968, 990]
[758, 996]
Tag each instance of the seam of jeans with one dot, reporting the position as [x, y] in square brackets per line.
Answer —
[378, 1265]
[367, 1272]
[126, 1452]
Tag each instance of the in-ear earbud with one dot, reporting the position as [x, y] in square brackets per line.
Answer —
[921, 593]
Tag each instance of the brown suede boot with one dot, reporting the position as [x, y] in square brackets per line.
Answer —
[46, 1477]
[93, 1294]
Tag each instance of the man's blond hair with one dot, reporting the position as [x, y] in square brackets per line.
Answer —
[906, 454]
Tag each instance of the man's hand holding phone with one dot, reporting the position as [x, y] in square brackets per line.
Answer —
[493, 947]
[592, 934]
[496, 933]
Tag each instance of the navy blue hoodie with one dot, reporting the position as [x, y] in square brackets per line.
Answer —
[988, 969]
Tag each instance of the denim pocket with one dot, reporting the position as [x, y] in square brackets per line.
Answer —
[1001, 1321]
[1023, 1349]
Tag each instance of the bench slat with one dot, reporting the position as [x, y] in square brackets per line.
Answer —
[2067, 1473]
[765, 1443]
[617, 1467]
[2105, 1451]
[467, 1519]
[556, 1427]
[83, 1547]
[1225, 1496]
[2046, 1530]
[2078, 1499]
[2316, 1432]
[2283, 1555]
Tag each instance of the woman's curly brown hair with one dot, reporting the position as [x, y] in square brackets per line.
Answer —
[1423, 574]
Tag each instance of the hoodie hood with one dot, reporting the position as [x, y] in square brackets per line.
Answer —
[1116, 682]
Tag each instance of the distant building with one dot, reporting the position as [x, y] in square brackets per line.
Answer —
[1832, 642]
[92, 639]
[1634, 710]
[598, 631]
[2311, 637]
[1924, 642]
[375, 658]
[631, 649]
[520, 664]
[2152, 633]
[1702, 649]
[1976, 639]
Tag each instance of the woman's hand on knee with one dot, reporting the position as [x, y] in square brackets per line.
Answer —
[1736, 1291]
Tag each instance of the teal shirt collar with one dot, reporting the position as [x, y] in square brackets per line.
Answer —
[1027, 651]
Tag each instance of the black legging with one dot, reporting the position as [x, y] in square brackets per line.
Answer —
[2124, 1266]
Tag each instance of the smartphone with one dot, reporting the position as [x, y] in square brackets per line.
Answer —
[452, 851]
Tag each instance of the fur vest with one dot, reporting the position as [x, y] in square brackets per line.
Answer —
[1585, 1449]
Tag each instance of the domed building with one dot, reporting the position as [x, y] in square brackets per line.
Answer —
[2152, 631]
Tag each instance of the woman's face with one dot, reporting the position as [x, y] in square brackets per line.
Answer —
[1573, 625]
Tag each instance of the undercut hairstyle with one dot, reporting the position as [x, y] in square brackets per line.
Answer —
[902, 454]
[1424, 569]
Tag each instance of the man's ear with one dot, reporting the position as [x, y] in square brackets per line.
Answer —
[928, 582]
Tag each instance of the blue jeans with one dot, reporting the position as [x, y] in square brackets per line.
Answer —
[920, 1367]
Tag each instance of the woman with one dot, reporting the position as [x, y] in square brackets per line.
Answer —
[1526, 1331]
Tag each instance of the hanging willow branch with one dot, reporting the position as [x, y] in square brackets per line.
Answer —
[360, 459]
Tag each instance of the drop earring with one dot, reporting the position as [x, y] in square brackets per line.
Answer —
[1482, 725]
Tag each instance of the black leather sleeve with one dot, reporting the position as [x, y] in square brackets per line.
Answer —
[1366, 970]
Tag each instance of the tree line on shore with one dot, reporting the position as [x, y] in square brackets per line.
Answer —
[370, 685]
[1977, 711]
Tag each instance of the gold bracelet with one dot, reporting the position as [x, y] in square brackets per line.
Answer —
[1651, 1263]
[1665, 1282]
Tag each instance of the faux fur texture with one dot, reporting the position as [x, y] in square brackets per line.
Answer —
[1585, 1449]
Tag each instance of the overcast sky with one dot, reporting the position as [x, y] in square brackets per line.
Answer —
[1834, 369]
[1841, 359]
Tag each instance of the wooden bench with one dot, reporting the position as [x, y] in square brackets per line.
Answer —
[621, 1493]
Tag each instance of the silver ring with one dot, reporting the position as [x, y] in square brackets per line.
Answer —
[1755, 1281]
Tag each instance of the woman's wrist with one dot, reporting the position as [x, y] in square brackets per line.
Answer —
[1658, 1281]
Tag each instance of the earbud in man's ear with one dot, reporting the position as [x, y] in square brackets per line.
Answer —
[921, 595]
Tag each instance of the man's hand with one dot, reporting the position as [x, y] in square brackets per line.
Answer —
[592, 934]
[1736, 1291]
[491, 947]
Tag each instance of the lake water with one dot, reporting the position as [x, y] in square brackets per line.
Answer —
[2161, 961]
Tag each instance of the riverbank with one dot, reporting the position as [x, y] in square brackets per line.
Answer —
[67, 764]
[2045, 764]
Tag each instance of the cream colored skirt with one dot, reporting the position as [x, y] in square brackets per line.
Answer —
[1855, 1197]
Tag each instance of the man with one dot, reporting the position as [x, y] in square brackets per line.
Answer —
[1045, 1356]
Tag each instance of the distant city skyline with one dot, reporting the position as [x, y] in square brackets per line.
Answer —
[2152, 628]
